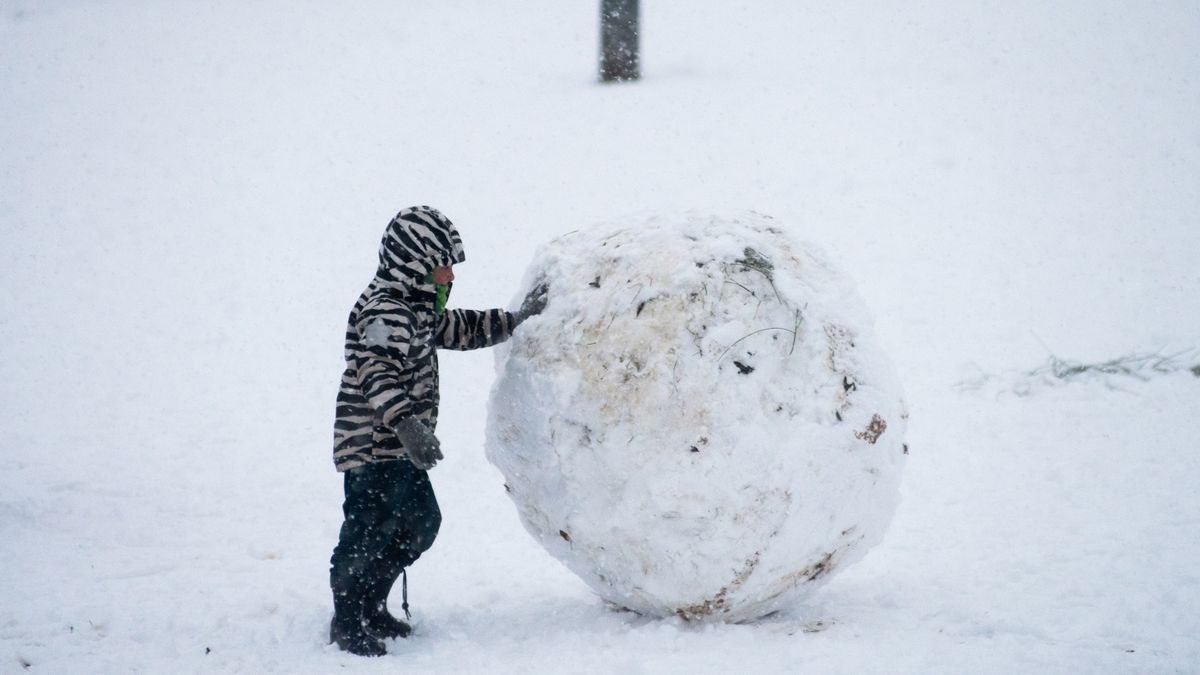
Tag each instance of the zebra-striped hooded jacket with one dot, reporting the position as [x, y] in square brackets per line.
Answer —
[393, 337]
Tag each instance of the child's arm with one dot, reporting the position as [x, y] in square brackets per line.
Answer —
[472, 329]
[464, 329]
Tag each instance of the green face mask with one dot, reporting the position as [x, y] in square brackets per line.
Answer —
[443, 294]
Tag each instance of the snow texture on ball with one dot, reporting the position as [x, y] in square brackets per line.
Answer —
[700, 423]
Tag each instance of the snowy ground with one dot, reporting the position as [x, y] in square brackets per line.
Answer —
[190, 199]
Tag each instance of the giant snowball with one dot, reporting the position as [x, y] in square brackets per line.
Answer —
[701, 422]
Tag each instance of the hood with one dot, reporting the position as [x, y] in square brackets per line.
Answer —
[417, 240]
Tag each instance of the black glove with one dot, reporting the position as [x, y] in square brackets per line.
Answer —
[534, 302]
[423, 447]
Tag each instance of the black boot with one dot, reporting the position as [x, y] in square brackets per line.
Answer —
[383, 625]
[351, 637]
[348, 628]
[378, 620]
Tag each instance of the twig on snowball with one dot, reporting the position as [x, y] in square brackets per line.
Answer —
[796, 331]
[761, 330]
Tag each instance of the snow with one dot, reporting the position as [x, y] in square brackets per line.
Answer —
[700, 423]
[191, 196]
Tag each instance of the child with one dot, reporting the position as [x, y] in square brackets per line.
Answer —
[384, 438]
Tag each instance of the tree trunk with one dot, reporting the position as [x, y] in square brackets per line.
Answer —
[619, 40]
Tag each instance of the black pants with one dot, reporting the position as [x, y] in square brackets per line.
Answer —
[391, 518]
